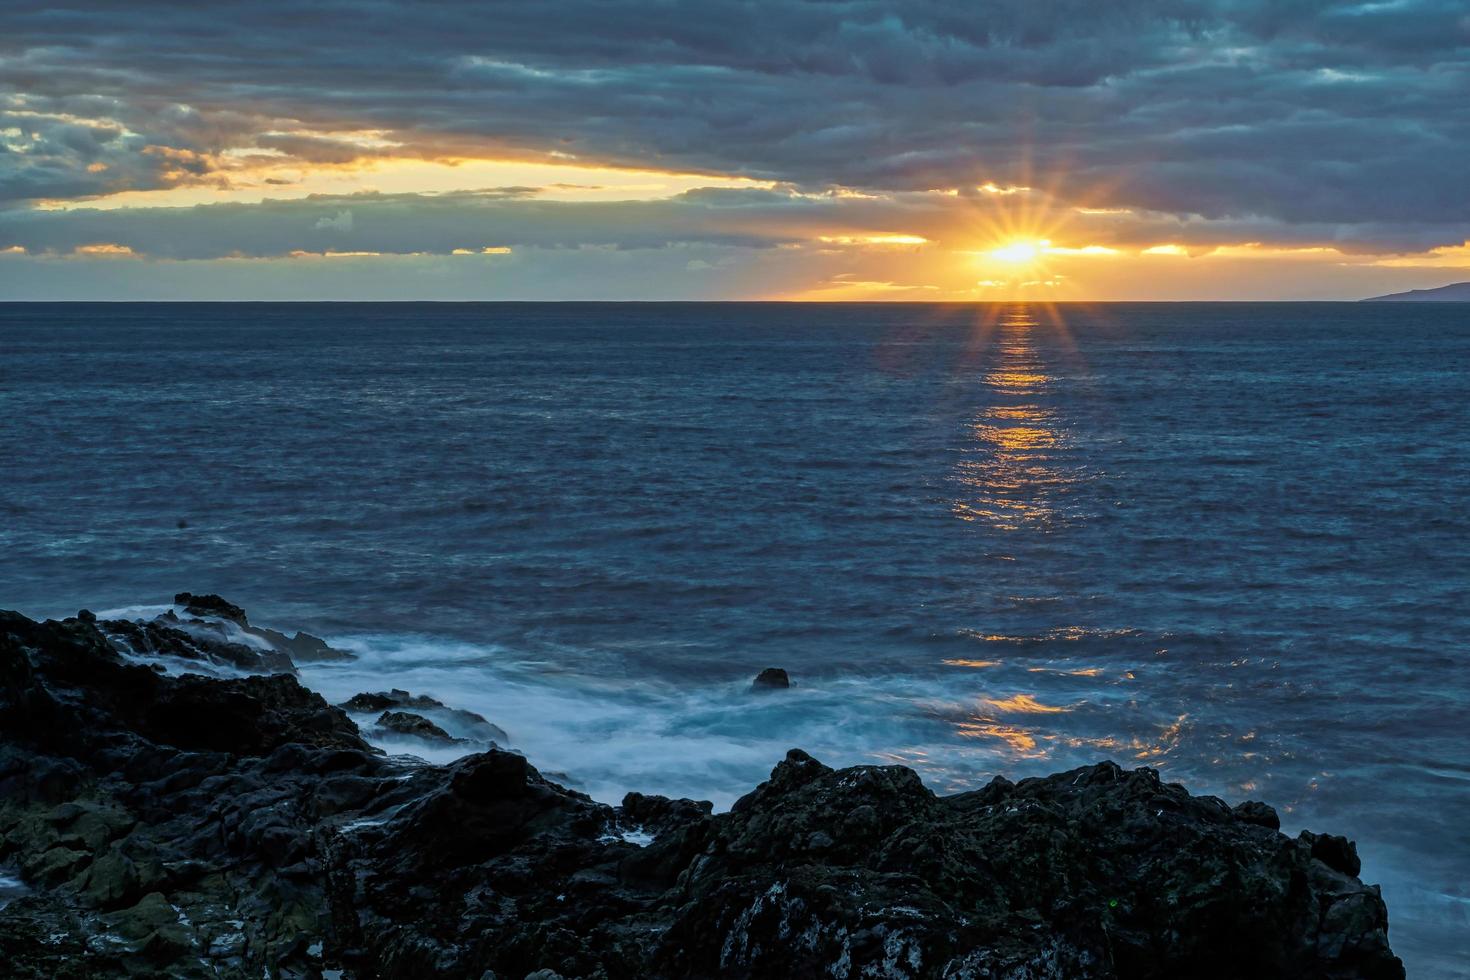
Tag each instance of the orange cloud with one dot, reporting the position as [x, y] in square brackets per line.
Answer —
[105, 249]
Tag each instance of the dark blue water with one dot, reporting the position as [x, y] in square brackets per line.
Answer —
[1230, 541]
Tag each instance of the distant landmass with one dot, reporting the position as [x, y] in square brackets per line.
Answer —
[1455, 292]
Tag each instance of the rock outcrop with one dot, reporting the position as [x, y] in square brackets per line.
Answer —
[771, 679]
[302, 648]
[214, 631]
[468, 725]
[184, 826]
[417, 726]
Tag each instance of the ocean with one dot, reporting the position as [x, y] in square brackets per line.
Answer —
[1231, 541]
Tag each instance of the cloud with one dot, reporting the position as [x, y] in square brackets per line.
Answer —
[104, 249]
[887, 224]
[1309, 121]
[341, 221]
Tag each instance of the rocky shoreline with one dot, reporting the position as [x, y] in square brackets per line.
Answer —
[161, 823]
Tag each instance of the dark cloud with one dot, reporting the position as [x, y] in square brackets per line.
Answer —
[409, 223]
[515, 217]
[1279, 111]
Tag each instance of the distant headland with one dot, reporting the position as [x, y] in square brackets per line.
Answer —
[1455, 292]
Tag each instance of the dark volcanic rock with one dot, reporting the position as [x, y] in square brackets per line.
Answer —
[217, 632]
[659, 814]
[197, 640]
[302, 647]
[1253, 811]
[771, 679]
[407, 723]
[196, 827]
[210, 607]
[1127, 875]
[369, 702]
[246, 716]
[474, 726]
[1338, 853]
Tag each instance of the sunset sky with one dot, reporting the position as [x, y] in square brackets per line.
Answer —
[1072, 150]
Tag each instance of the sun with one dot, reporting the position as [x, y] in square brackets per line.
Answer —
[1020, 252]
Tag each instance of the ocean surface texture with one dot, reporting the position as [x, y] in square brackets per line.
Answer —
[1230, 541]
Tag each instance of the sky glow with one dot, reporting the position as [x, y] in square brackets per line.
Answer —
[852, 150]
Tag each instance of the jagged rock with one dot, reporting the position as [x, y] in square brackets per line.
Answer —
[189, 826]
[303, 647]
[771, 679]
[246, 716]
[219, 632]
[1126, 875]
[196, 640]
[210, 607]
[475, 726]
[407, 723]
[1338, 853]
[1253, 811]
[659, 814]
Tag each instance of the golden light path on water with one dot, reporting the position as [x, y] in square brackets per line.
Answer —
[1013, 469]
[1017, 471]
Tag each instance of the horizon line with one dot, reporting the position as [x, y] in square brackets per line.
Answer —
[702, 302]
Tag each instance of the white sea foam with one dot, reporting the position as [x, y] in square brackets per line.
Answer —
[607, 735]
[11, 888]
[137, 612]
[637, 836]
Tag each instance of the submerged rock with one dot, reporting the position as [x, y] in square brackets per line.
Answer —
[189, 826]
[771, 679]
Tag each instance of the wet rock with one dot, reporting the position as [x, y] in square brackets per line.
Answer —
[210, 607]
[407, 723]
[303, 647]
[54, 866]
[246, 716]
[192, 826]
[771, 679]
[1098, 872]
[286, 650]
[369, 702]
[152, 927]
[196, 640]
[658, 814]
[1253, 811]
[111, 881]
[1338, 853]
[473, 726]
[89, 825]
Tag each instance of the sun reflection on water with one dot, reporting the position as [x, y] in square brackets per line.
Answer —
[1044, 694]
[1013, 469]
[1024, 704]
